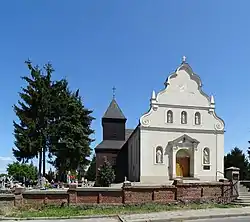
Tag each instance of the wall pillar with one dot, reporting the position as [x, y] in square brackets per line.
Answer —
[72, 194]
[174, 163]
[195, 163]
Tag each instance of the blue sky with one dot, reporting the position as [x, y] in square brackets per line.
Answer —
[133, 45]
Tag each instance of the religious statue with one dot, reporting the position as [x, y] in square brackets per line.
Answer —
[3, 182]
[159, 156]
[68, 178]
[197, 119]
[206, 156]
[183, 118]
[169, 117]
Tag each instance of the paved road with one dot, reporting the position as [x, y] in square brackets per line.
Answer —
[229, 219]
[74, 220]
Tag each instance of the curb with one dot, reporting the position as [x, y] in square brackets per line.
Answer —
[60, 218]
[120, 218]
[188, 218]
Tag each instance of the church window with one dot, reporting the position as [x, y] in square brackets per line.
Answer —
[159, 155]
[183, 117]
[169, 116]
[113, 160]
[206, 159]
[197, 118]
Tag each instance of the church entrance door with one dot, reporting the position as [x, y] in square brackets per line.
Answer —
[182, 164]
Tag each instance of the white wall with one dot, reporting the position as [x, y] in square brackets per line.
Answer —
[134, 156]
[183, 93]
[183, 90]
[158, 118]
[160, 173]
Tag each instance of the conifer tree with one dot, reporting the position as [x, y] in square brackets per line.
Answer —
[52, 119]
[32, 111]
[71, 131]
[237, 158]
[106, 175]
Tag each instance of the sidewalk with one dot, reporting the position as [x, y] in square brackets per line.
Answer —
[187, 215]
[153, 217]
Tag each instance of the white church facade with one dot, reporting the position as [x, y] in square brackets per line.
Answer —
[180, 136]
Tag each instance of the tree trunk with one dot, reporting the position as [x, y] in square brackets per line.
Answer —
[40, 168]
[44, 162]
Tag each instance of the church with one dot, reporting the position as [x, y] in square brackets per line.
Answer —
[180, 136]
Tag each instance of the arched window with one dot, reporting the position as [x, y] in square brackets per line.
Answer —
[169, 116]
[183, 117]
[159, 154]
[197, 118]
[206, 156]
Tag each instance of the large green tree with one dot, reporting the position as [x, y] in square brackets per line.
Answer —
[71, 139]
[53, 120]
[237, 158]
[19, 171]
[33, 110]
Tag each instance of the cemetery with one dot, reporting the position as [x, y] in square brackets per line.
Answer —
[224, 191]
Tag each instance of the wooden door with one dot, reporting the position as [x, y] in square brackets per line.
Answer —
[179, 172]
[182, 167]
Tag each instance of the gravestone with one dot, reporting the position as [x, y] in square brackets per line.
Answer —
[43, 181]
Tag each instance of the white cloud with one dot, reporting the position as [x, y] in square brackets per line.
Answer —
[4, 161]
[5, 158]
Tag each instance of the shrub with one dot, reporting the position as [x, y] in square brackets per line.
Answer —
[106, 175]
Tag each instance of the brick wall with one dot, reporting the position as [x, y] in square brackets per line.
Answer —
[7, 202]
[218, 192]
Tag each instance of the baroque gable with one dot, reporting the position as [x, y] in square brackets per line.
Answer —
[183, 87]
[182, 93]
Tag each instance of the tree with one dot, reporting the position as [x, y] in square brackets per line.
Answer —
[237, 158]
[71, 131]
[106, 175]
[91, 172]
[19, 171]
[53, 120]
[31, 133]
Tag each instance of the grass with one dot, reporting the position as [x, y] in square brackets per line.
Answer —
[53, 211]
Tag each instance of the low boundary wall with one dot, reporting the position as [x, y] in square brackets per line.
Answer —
[221, 192]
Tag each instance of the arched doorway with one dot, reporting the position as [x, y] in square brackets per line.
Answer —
[182, 163]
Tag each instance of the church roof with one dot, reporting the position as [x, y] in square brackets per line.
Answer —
[115, 144]
[114, 111]
[110, 144]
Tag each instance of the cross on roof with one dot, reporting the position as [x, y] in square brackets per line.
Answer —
[113, 89]
[184, 58]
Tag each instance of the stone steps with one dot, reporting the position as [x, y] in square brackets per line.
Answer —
[244, 193]
[244, 196]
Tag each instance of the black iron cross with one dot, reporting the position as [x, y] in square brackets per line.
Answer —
[113, 91]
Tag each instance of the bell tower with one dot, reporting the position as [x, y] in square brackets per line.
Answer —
[113, 122]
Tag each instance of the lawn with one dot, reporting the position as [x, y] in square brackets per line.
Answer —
[53, 211]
